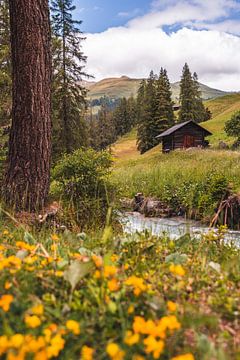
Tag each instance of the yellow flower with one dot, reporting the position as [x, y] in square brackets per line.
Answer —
[5, 302]
[37, 309]
[23, 245]
[55, 237]
[97, 274]
[56, 345]
[73, 326]
[4, 344]
[177, 270]
[153, 346]
[138, 324]
[126, 267]
[114, 257]
[109, 271]
[138, 357]
[114, 351]
[5, 232]
[7, 285]
[183, 357]
[41, 355]
[113, 285]
[32, 321]
[171, 306]
[59, 273]
[97, 261]
[16, 356]
[131, 339]
[137, 283]
[130, 309]
[87, 353]
[16, 341]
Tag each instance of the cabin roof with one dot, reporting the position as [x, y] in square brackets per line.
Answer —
[179, 126]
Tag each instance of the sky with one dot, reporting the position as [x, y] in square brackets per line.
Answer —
[132, 37]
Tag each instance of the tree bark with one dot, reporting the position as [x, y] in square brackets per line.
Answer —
[28, 169]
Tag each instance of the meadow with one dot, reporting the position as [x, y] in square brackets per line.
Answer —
[70, 296]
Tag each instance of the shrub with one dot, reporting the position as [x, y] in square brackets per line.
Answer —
[81, 181]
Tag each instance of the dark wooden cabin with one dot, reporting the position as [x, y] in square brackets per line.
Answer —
[183, 136]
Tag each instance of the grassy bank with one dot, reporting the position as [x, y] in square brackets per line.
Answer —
[138, 297]
[195, 178]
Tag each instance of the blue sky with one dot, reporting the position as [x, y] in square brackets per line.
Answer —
[99, 15]
[131, 37]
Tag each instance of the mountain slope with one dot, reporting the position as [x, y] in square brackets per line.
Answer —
[125, 86]
[222, 108]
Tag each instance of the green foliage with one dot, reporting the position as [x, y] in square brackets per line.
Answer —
[130, 279]
[68, 98]
[81, 179]
[192, 107]
[232, 126]
[154, 110]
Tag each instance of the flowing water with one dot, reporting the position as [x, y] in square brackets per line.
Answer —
[175, 227]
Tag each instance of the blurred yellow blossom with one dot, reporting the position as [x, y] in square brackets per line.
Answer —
[109, 271]
[153, 346]
[137, 283]
[114, 351]
[5, 302]
[73, 326]
[177, 270]
[55, 237]
[183, 357]
[32, 321]
[56, 345]
[131, 338]
[98, 261]
[87, 353]
[16, 341]
[171, 306]
[113, 285]
[37, 309]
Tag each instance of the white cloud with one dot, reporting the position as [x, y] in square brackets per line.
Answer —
[142, 44]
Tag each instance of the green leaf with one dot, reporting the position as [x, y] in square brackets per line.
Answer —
[176, 258]
[28, 238]
[76, 271]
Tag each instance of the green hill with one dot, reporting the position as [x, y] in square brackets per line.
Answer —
[125, 86]
[222, 109]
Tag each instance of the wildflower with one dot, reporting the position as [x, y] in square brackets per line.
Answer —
[138, 324]
[16, 341]
[55, 237]
[73, 326]
[114, 351]
[32, 321]
[177, 270]
[5, 232]
[5, 302]
[137, 283]
[59, 273]
[130, 309]
[97, 274]
[41, 355]
[97, 261]
[109, 271]
[56, 345]
[7, 285]
[183, 357]
[131, 339]
[37, 309]
[126, 267]
[87, 353]
[172, 307]
[113, 285]
[24, 246]
[138, 357]
[153, 346]
[114, 258]
[4, 344]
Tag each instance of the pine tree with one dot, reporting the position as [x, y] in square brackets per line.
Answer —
[147, 131]
[187, 96]
[105, 128]
[28, 167]
[164, 113]
[5, 65]
[192, 107]
[69, 102]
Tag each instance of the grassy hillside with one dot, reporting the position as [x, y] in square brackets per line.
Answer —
[125, 86]
[222, 109]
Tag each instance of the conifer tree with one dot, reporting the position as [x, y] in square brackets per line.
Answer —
[147, 132]
[187, 96]
[164, 113]
[69, 103]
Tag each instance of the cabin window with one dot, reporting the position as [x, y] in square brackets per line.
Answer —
[189, 141]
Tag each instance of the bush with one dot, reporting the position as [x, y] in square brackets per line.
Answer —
[81, 181]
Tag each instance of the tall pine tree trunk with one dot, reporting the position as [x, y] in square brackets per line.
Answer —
[27, 178]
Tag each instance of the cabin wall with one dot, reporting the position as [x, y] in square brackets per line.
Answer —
[167, 143]
[188, 130]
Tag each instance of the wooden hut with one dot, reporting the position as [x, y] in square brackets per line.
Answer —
[184, 135]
